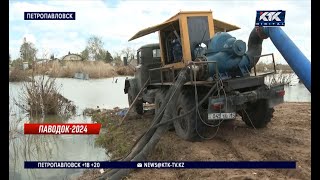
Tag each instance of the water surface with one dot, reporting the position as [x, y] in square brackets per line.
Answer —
[104, 93]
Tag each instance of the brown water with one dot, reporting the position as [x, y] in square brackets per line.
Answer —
[92, 93]
[295, 91]
[84, 93]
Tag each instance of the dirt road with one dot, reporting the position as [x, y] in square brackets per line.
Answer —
[287, 137]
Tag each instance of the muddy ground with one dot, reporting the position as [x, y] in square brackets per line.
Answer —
[287, 137]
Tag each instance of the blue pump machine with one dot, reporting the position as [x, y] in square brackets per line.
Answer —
[234, 61]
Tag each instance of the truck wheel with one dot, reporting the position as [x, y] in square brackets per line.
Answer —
[257, 115]
[158, 100]
[186, 126]
[138, 107]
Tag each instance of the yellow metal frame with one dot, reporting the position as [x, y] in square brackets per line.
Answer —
[184, 33]
[183, 25]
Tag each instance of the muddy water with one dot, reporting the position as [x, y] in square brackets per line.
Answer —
[297, 93]
[104, 93]
[294, 91]
[92, 93]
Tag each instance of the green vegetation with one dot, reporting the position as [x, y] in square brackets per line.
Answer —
[115, 138]
[94, 50]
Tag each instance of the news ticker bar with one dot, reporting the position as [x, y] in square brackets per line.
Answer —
[62, 128]
[161, 164]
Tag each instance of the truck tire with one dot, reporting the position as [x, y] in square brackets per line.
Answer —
[186, 127]
[158, 99]
[257, 115]
[138, 107]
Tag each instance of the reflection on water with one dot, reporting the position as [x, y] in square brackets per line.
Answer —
[101, 92]
[294, 91]
[93, 93]
[49, 148]
[297, 93]
[84, 93]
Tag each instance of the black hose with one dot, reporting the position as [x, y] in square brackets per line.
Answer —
[145, 137]
[158, 117]
[181, 116]
[111, 173]
[254, 47]
[187, 113]
[157, 130]
[152, 136]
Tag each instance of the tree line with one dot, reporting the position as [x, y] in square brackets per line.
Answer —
[93, 51]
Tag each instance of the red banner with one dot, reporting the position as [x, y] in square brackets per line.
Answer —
[62, 128]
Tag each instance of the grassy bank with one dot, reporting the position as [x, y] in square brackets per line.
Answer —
[119, 139]
[95, 69]
[263, 67]
[18, 75]
[98, 69]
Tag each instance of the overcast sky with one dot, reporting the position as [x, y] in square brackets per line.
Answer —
[117, 21]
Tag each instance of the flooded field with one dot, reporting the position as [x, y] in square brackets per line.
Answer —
[295, 91]
[104, 93]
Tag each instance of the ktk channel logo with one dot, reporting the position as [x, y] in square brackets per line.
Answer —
[270, 18]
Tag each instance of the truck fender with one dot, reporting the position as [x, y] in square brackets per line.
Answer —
[131, 83]
[126, 86]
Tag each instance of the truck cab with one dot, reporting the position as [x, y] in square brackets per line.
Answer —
[148, 57]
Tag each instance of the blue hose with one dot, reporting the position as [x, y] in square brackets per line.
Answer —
[291, 53]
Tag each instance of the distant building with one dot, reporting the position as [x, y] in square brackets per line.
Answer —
[53, 60]
[41, 61]
[72, 57]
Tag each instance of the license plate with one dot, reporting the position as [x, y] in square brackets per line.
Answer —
[212, 116]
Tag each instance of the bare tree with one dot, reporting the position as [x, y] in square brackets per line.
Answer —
[128, 52]
[95, 48]
[117, 56]
[28, 52]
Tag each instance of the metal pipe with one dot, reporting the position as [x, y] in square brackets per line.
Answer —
[291, 53]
